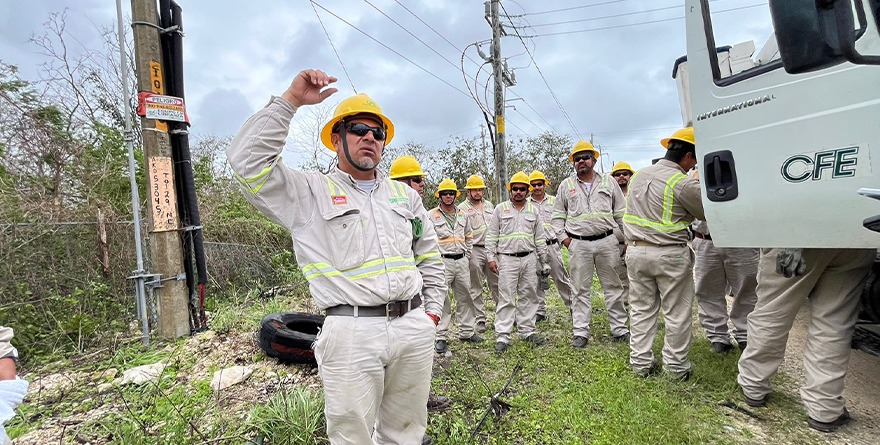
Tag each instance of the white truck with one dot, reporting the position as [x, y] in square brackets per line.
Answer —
[787, 139]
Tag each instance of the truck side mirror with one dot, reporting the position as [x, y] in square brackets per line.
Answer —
[816, 34]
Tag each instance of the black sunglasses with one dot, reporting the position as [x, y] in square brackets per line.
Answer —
[537, 184]
[519, 189]
[620, 174]
[416, 179]
[360, 130]
[583, 157]
[447, 193]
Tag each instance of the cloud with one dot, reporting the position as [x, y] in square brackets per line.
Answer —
[220, 112]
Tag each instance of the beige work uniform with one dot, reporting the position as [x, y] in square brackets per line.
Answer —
[6, 348]
[716, 269]
[479, 264]
[513, 237]
[661, 203]
[361, 249]
[455, 249]
[554, 256]
[592, 211]
[833, 283]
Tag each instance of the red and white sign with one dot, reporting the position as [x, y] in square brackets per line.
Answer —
[166, 108]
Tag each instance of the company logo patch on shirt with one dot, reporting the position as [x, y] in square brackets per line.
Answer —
[471, 211]
[507, 212]
[339, 200]
[572, 192]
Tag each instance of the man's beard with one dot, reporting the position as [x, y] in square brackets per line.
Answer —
[366, 163]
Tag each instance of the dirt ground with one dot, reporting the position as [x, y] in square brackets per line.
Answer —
[862, 391]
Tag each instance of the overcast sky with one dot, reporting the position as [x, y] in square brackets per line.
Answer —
[611, 76]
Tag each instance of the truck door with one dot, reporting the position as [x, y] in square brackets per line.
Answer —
[783, 156]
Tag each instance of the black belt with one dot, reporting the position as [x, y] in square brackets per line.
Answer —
[451, 256]
[551, 242]
[702, 235]
[479, 245]
[591, 237]
[517, 254]
[391, 310]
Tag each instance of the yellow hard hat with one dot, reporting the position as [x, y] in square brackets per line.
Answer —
[538, 174]
[447, 184]
[621, 166]
[405, 167]
[475, 182]
[583, 146]
[685, 134]
[519, 178]
[357, 104]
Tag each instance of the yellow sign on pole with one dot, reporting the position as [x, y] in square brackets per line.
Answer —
[157, 85]
[499, 124]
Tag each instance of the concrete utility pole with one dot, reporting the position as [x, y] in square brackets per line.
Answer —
[166, 255]
[498, 76]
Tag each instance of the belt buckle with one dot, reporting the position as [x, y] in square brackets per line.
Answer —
[390, 314]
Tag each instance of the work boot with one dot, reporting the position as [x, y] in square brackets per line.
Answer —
[535, 339]
[579, 342]
[500, 347]
[680, 376]
[438, 403]
[647, 372]
[481, 327]
[440, 346]
[756, 403]
[720, 347]
[427, 440]
[623, 338]
[540, 317]
[476, 338]
[742, 345]
[832, 426]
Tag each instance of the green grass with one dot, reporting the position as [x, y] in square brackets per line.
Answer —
[293, 417]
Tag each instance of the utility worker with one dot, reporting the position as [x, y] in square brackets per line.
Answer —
[661, 202]
[544, 202]
[12, 388]
[407, 170]
[369, 252]
[622, 172]
[516, 232]
[456, 239]
[589, 207]
[479, 211]
[716, 268]
[832, 279]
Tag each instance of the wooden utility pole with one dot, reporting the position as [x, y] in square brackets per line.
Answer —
[166, 253]
[498, 76]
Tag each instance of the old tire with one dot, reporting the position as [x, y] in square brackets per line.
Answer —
[288, 336]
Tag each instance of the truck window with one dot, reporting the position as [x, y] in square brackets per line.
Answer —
[746, 27]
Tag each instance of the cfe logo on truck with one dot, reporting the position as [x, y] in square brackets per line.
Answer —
[836, 163]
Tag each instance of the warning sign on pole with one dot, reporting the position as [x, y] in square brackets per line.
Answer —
[157, 106]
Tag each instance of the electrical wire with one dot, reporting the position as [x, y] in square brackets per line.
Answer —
[570, 9]
[624, 14]
[334, 48]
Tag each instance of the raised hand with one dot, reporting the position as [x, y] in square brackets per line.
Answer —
[306, 88]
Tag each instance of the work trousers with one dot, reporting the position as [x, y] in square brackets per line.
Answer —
[458, 280]
[479, 268]
[376, 374]
[716, 268]
[622, 273]
[560, 277]
[669, 270]
[833, 283]
[602, 256]
[517, 296]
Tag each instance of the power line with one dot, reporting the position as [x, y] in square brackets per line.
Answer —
[389, 48]
[570, 9]
[334, 48]
[436, 32]
[639, 23]
[624, 14]
[552, 93]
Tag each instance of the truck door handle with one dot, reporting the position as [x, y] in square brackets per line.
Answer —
[719, 172]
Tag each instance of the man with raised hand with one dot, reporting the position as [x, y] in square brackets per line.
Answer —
[369, 252]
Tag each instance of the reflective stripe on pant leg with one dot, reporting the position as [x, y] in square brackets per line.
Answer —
[676, 282]
[465, 311]
[403, 414]
[527, 296]
[505, 312]
[351, 355]
[476, 264]
[834, 310]
[742, 275]
[582, 266]
[779, 300]
[644, 307]
[446, 317]
[559, 274]
[710, 281]
[607, 257]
